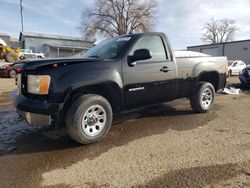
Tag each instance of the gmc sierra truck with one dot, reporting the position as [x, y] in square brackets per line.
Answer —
[118, 74]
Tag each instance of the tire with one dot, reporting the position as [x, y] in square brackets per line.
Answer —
[243, 84]
[12, 74]
[203, 98]
[21, 57]
[89, 119]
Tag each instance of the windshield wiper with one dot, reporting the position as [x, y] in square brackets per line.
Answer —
[94, 56]
[97, 57]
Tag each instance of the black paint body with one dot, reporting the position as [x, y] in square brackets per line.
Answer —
[123, 85]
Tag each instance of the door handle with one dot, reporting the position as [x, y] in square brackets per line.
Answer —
[164, 69]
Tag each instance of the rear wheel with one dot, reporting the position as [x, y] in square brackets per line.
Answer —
[89, 119]
[203, 98]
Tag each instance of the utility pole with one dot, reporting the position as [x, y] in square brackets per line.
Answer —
[21, 12]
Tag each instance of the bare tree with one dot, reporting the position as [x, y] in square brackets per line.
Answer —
[218, 31]
[117, 17]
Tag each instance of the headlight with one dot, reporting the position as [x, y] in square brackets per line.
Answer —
[38, 84]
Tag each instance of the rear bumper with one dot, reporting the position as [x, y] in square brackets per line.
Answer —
[35, 112]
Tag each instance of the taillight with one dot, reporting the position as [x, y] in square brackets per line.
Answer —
[226, 67]
[19, 70]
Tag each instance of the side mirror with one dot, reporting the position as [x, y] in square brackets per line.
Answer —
[140, 54]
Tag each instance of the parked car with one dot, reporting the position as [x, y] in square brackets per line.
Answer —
[245, 76]
[28, 54]
[118, 74]
[10, 70]
[235, 67]
[2, 63]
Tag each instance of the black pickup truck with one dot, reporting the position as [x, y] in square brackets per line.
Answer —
[116, 75]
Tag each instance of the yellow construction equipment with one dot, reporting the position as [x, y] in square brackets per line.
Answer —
[8, 53]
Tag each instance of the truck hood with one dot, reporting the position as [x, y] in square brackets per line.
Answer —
[55, 62]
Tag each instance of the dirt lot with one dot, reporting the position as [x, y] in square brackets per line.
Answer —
[165, 145]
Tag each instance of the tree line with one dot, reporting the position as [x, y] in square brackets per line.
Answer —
[117, 17]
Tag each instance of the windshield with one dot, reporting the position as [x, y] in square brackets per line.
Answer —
[108, 49]
[230, 63]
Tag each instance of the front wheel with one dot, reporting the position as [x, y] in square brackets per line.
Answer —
[203, 98]
[12, 74]
[21, 57]
[89, 119]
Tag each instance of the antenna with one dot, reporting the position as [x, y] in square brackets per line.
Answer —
[21, 13]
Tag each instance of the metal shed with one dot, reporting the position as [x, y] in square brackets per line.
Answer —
[236, 50]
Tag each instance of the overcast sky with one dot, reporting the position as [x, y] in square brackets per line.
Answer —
[181, 20]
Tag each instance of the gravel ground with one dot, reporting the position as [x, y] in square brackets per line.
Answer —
[6, 87]
[164, 145]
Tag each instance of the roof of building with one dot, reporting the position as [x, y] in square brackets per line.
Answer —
[51, 36]
[4, 34]
[67, 47]
[247, 40]
[2, 42]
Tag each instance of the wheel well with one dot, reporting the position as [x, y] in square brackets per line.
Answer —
[111, 92]
[211, 77]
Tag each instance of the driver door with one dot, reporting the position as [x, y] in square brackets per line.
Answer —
[153, 80]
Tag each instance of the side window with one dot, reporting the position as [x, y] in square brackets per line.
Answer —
[32, 49]
[154, 44]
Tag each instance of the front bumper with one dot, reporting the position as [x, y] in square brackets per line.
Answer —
[35, 112]
[3, 73]
[35, 119]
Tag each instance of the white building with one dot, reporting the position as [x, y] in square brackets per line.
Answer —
[54, 45]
